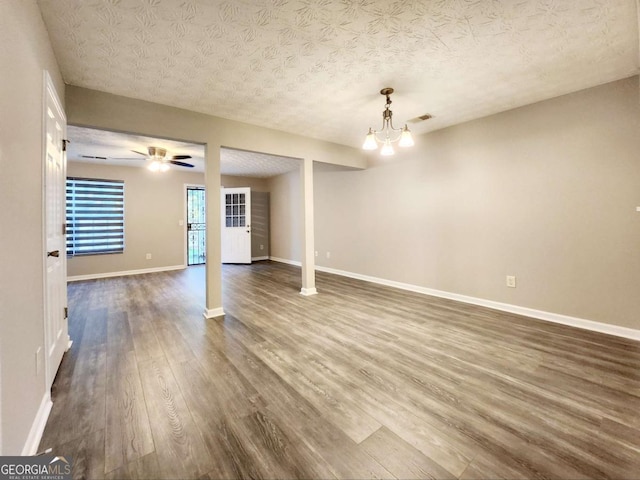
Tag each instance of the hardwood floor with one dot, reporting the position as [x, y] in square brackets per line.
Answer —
[360, 381]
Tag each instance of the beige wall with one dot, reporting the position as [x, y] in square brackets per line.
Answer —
[255, 184]
[154, 205]
[546, 192]
[112, 112]
[24, 54]
[286, 216]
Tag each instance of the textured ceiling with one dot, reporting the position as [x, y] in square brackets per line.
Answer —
[118, 150]
[253, 164]
[315, 67]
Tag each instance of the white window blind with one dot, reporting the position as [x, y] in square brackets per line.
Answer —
[95, 216]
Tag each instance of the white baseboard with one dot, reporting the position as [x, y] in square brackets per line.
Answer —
[213, 312]
[37, 427]
[288, 262]
[585, 324]
[259, 259]
[307, 292]
[93, 276]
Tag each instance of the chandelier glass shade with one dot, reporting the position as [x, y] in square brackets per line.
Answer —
[388, 134]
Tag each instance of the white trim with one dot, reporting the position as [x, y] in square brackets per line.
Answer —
[288, 262]
[307, 292]
[213, 312]
[93, 276]
[51, 98]
[259, 259]
[37, 427]
[585, 324]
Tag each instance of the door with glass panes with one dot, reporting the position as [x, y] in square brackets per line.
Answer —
[236, 225]
[196, 226]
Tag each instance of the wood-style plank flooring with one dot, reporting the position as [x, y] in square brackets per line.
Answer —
[360, 381]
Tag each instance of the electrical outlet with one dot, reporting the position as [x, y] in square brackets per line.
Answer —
[328, 254]
[181, 223]
[148, 256]
[261, 247]
[316, 253]
[511, 281]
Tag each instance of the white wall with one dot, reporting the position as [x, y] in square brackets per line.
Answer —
[546, 192]
[24, 54]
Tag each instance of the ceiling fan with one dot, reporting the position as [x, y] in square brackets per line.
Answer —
[157, 156]
[160, 155]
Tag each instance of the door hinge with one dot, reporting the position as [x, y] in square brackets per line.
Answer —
[64, 144]
[64, 228]
[66, 312]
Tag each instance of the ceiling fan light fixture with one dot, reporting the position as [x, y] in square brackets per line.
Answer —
[155, 165]
[388, 134]
[164, 166]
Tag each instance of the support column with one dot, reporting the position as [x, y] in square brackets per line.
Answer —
[308, 254]
[213, 306]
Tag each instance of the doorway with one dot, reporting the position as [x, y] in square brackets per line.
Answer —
[196, 226]
[55, 275]
[236, 225]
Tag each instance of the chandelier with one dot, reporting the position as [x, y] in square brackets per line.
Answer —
[387, 134]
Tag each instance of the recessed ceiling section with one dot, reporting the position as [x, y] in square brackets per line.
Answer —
[115, 148]
[315, 67]
[243, 163]
[104, 147]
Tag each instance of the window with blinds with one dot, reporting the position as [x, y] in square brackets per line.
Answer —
[95, 216]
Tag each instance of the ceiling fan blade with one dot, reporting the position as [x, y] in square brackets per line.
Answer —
[181, 157]
[127, 158]
[181, 164]
[91, 156]
[139, 153]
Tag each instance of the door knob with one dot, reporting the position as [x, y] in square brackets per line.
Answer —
[54, 253]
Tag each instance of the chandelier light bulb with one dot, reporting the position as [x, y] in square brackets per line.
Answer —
[387, 148]
[370, 141]
[406, 140]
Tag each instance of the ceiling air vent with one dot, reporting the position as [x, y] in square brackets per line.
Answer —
[421, 118]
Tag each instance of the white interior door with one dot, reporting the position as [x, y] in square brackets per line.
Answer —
[236, 225]
[56, 331]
